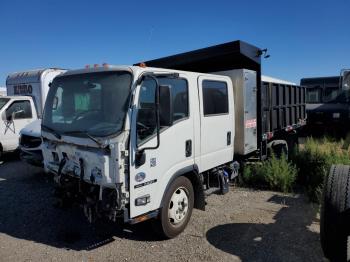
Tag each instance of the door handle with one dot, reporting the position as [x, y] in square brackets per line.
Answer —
[188, 148]
[229, 138]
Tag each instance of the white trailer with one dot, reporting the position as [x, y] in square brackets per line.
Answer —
[26, 91]
[137, 142]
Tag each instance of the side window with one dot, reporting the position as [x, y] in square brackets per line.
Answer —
[179, 94]
[313, 95]
[20, 110]
[215, 97]
[57, 103]
[146, 116]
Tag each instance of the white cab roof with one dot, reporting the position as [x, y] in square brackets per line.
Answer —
[18, 97]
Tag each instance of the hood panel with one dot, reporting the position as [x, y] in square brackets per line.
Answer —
[32, 129]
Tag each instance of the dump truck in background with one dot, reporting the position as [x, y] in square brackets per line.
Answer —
[26, 95]
[151, 141]
[327, 100]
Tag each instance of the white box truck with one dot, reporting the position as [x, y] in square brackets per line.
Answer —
[26, 94]
[138, 143]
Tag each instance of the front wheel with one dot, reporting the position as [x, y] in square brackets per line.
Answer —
[177, 208]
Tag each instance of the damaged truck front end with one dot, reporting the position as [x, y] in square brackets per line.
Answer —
[85, 140]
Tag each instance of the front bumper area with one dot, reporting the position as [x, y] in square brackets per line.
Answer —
[32, 157]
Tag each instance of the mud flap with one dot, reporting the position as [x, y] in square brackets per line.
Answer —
[224, 182]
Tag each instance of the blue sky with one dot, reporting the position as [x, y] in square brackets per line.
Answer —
[304, 38]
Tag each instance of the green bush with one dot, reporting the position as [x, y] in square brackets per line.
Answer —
[309, 163]
[275, 174]
[314, 160]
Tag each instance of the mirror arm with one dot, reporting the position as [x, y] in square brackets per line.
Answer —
[157, 94]
[157, 112]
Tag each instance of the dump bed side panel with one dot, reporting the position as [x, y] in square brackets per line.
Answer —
[244, 83]
[282, 106]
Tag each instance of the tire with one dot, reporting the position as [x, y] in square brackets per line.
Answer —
[335, 214]
[278, 150]
[170, 224]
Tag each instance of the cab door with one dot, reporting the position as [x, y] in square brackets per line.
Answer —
[17, 115]
[175, 152]
[216, 121]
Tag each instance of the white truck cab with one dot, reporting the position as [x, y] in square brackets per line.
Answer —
[124, 136]
[34, 85]
[16, 112]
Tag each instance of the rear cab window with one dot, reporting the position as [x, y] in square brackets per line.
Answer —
[215, 97]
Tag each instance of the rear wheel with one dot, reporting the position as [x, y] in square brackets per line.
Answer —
[278, 148]
[335, 214]
[177, 208]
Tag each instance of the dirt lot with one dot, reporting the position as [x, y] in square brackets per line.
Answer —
[243, 225]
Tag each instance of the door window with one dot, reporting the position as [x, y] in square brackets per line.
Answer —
[215, 97]
[146, 118]
[179, 94]
[19, 110]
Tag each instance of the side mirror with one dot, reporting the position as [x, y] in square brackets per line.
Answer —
[140, 158]
[165, 106]
[345, 79]
[3, 116]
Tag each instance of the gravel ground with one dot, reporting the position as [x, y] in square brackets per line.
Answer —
[243, 225]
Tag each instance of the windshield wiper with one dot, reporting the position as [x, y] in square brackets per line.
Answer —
[51, 130]
[86, 134]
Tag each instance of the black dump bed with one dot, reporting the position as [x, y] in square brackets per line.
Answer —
[232, 55]
[278, 106]
[283, 107]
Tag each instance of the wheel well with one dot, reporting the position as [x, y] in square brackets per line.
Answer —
[197, 184]
[278, 147]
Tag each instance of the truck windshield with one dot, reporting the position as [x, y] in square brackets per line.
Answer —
[94, 103]
[3, 101]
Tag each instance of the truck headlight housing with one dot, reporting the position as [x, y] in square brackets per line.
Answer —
[142, 201]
